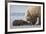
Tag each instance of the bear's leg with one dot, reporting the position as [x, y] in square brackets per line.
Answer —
[34, 21]
[39, 21]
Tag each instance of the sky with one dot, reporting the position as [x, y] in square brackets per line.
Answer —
[17, 11]
[18, 8]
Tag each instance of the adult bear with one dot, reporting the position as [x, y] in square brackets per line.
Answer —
[33, 13]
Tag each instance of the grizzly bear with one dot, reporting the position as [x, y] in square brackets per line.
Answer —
[33, 13]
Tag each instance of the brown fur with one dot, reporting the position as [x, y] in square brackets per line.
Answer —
[34, 13]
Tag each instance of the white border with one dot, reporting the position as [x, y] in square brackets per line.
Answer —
[25, 29]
